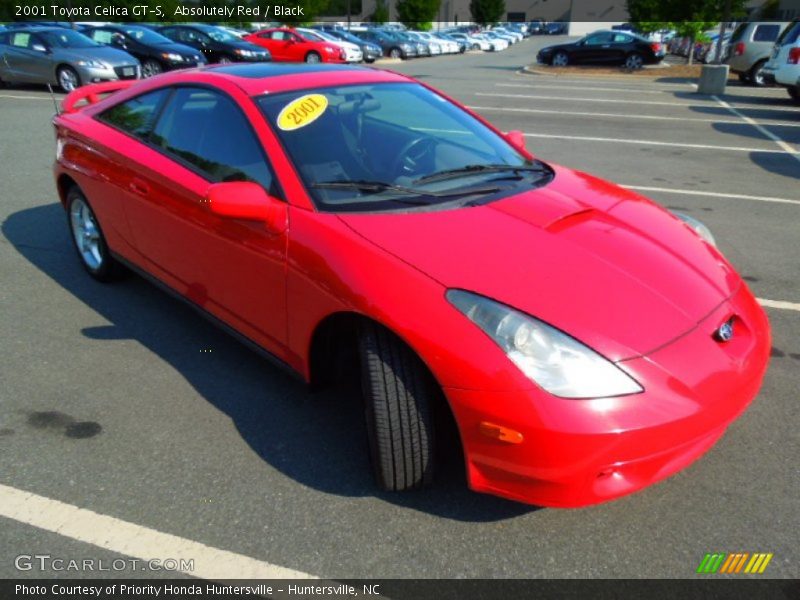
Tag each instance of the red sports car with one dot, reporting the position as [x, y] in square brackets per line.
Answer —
[288, 45]
[587, 341]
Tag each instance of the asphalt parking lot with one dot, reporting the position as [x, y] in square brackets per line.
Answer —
[122, 401]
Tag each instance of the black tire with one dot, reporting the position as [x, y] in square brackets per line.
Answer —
[794, 93]
[395, 53]
[743, 77]
[476, 47]
[225, 60]
[313, 57]
[68, 78]
[398, 394]
[369, 61]
[634, 61]
[560, 59]
[755, 75]
[151, 68]
[108, 269]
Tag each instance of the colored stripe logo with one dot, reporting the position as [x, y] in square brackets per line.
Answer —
[737, 562]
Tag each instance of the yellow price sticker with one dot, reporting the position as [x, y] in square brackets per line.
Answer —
[302, 111]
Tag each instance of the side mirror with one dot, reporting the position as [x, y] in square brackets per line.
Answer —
[39, 48]
[247, 201]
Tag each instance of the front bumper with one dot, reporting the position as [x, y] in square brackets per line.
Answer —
[98, 75]
[582, 452]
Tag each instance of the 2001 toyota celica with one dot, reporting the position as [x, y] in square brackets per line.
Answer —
[587, 341]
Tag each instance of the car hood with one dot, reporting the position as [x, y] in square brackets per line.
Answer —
[111, 56]
[605, 265]
[176, 48]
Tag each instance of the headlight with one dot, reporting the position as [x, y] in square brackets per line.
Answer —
[171, 56]
[241, 52]
[553, 360]
[329, 50]
[698, 227]
[93, 64]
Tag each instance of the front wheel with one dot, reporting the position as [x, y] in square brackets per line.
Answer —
[395, 53]
[398, 393]
[151, 68]
[313, 58]
[88, 238]
[634, 61]
[225, 60]
[794, 93]
[560, 59]
[68, 79]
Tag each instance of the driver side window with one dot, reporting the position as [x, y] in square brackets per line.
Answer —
[206, 131]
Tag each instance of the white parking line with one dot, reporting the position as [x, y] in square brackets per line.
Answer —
[48, 98]
[134, 540]
[618, 115]
[653, 143]
[583, 87]
[781, 144]
[643, 188]
[779, 304]
[700, 104]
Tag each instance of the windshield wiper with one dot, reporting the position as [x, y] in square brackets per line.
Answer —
[472, 169]
[382, 186]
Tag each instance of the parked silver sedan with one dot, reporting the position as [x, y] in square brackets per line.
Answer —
[62, 56]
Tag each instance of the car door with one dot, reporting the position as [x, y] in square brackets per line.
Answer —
[283, 43]
[596, 48]
[235, 269]
[28, 58]
[621, 45]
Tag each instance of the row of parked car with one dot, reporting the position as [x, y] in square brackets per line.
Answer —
[759, 52]
[49, 52]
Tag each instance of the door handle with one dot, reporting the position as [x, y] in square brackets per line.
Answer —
[139, 187]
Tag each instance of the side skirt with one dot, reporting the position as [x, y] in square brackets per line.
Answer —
[243, 339]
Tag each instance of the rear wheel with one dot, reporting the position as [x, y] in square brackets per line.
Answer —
[88, 239]
[743, 78]
[756, 74]
[794, 93]
[476, 46]
[560, 59]
[398, 393]
[634, 61]
[313, 57]
[68, 79]
[150, 68]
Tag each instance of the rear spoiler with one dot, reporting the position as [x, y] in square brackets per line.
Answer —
[91, 93]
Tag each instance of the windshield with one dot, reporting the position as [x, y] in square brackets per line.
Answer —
[68, 39]
[390, 145]
[147, 36]
[219, 35]
[313, 36]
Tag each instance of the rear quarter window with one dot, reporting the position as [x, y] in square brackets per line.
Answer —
[766, 33]
[136, 116]
[790, 34]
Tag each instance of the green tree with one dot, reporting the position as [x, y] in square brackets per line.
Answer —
[381, 14]
[689, 18]
[485, 12]
[415, 14]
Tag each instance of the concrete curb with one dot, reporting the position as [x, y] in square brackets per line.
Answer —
[388, 61]
[656, 72]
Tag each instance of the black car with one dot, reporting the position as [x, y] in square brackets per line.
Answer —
[216, 44]
[371, 51]
[392, 45]
[555, 28]
[156, 52]
[609, 47]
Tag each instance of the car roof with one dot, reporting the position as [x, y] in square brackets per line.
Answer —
[256, 79]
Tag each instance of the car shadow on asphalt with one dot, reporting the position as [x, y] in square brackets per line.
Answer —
[317, 439]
